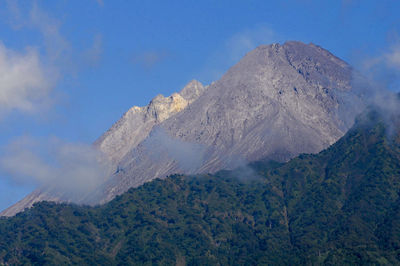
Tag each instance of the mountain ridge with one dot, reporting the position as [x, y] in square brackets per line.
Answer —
[276, 102]
[250, 99]
[145, 118]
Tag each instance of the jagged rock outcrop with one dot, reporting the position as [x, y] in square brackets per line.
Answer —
[136, 124]
[277, 102]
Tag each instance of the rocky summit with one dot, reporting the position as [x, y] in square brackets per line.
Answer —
[277, 102]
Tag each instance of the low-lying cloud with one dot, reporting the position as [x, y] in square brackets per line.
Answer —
[241, 169]
[379, 84]
[188, 155]
[65, 168]
[191, 156]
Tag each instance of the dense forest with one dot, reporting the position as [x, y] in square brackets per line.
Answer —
[341, 206]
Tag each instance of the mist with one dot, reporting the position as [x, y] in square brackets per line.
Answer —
[188, 155]
[67, 169]
[244, 172]
[378, 82]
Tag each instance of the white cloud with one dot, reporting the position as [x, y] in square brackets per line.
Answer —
[27, 78]
[67, 168]
[24, 82]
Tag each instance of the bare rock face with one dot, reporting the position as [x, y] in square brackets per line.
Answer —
[136, 124]
[277, 102]
[192, 91]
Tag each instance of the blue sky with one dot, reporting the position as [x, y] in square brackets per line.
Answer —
[70, 69]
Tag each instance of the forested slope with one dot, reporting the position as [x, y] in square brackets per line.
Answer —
[341, 206]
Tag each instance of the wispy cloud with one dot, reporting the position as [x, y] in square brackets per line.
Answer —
[93, 55]
[28, 77]
[100, 2]
[32, 16]
[149, 59]
[58, 49]
[392, 57]
[383, 69]
[378, 80]
[234, 49]
[388, 58]
[243, 42]
[67, 168]
[27, 82]
[188, 155]
[14, 15]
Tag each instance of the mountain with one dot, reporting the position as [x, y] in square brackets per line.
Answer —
[277, 102]
[338, 207]
[136, 124]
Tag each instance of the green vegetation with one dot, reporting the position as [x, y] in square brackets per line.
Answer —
[341, 206]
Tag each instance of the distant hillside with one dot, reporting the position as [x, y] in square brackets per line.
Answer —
[341, 206]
